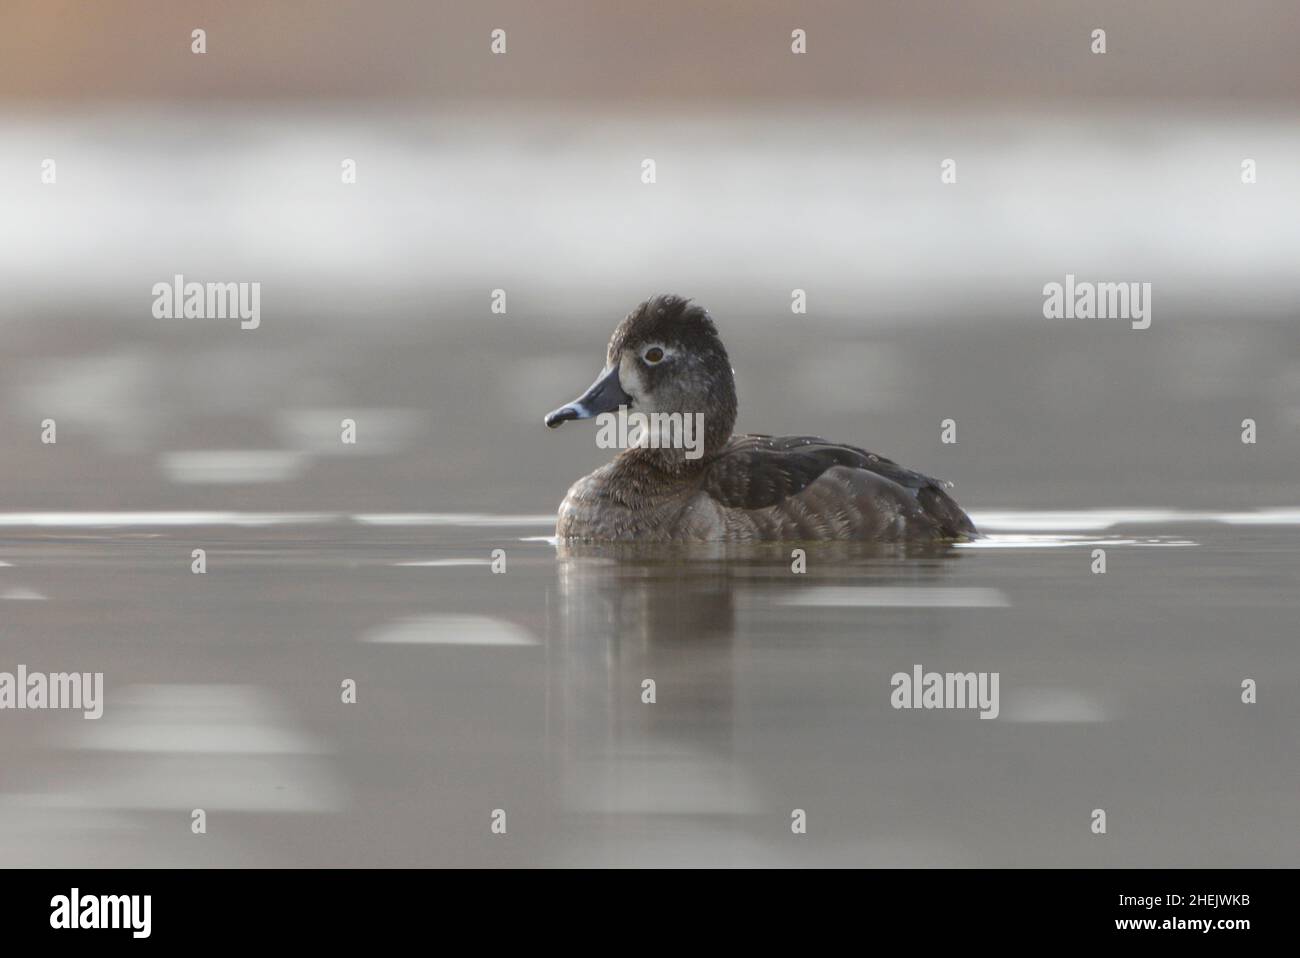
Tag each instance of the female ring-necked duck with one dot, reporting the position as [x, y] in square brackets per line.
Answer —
[665, 357]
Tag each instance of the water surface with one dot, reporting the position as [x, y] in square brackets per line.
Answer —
[523, 691]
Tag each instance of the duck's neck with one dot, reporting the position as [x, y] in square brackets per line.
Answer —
[672, 462]
[682, 444]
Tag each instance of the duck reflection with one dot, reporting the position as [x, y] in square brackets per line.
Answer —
[657, 679]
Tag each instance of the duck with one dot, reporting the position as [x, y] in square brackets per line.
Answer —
[666, 357]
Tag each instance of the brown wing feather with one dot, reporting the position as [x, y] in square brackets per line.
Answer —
[758, 472]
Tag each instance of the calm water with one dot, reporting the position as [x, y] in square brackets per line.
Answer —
[522, 691]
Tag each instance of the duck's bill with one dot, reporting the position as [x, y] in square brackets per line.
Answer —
[605, 395]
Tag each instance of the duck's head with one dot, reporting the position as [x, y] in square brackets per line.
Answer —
[665, 357]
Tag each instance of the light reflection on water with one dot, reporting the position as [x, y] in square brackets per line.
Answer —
[994, 541]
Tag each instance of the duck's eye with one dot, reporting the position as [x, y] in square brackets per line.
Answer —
[653, 355]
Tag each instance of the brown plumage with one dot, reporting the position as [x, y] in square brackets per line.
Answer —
[666, 357]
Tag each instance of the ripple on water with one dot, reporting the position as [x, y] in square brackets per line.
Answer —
[994, 541]
[449, 630]
[899, 597]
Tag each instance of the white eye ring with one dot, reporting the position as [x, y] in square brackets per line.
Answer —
[646, 356]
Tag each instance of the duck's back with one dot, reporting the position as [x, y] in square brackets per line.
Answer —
[805, 487]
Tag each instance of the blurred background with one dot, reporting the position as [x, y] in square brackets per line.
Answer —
[522, 172]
